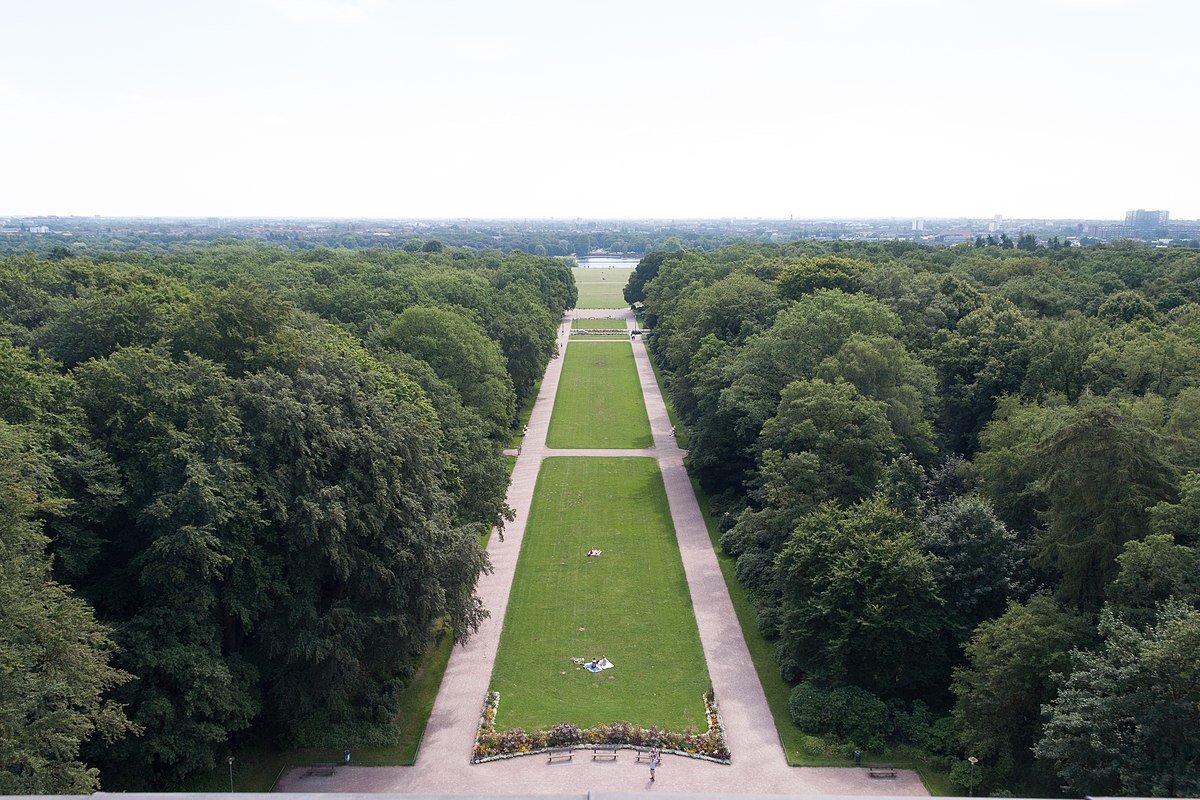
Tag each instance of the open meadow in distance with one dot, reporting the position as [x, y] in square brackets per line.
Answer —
[599, 401]
[601, 287]
[630, 604]
[598, 324]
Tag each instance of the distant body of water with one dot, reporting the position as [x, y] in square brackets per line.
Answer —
[594, 261]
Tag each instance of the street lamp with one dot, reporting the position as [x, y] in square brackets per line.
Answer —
[229, 761]
[971, 788]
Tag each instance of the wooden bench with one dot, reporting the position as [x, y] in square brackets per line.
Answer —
[604, 754]
[881, 771]
[641, 757]
[561, 754]
[321, 769]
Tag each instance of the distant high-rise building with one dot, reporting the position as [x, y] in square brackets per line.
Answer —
[1146, 221]
[918, 224]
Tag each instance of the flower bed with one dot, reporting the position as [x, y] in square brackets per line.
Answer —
[492, 745]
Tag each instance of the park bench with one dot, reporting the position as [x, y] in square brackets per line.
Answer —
[641, 757]
[321, 769]
[560, 754]
[881, 771]
[604, 754]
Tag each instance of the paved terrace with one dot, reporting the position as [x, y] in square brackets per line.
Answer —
[758, 762]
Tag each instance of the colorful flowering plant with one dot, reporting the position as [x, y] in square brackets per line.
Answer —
[491, 745]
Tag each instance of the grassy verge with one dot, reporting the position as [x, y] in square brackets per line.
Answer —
[599, 400]
[601, 287]
[631, 604]
[762, 652]
[680, 431]
[255, 769]
[518, 436]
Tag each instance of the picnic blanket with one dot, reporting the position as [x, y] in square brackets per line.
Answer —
[601, 665]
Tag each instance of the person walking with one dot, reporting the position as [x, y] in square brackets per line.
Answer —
[654, 759]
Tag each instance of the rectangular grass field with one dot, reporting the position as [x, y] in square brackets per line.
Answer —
[599, 399]
[630, 604]
[598, 324]
[601, 287]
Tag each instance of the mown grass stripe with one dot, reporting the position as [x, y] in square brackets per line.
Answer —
[631, 604]
[599, 400]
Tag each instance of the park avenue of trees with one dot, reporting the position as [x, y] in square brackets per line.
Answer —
[962, 487]
[242, 490]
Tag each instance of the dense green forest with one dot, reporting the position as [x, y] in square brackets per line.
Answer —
[241, 491]
[963, 488]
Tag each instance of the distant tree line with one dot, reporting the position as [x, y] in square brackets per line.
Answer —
[242, 491]
[963, 488]
[542, 239]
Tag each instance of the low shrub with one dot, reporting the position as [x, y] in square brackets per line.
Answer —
[847, 711]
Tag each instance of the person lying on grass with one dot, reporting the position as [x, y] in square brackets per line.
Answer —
[593, 553]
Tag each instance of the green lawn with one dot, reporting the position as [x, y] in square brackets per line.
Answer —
[599, 324]
[631, 604]
[599, 400]
[601, 287]
[518, 435]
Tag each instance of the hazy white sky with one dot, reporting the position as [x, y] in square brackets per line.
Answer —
[457, 108]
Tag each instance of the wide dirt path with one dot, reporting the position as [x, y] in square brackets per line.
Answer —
[759, 766]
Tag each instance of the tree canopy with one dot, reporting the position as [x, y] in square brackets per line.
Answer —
[975, 449]
[266, 472]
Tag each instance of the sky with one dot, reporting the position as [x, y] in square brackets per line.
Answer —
[456, 108]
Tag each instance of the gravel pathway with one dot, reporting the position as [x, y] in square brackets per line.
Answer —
[759, 766]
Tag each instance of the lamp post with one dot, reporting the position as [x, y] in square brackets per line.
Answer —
[971, 788]
[229, 761]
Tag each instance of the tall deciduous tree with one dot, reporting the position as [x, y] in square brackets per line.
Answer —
[187, 517]
[646, 271]
[363, 556]
[859, 603]
[55, 673]
[1086, 525]
[1152, 572]
[1127, 720]
[848, 434]
[1009, 677]
[975, 560]
[462, 355]
[808, 274]
[882, 369]
[983, 358]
